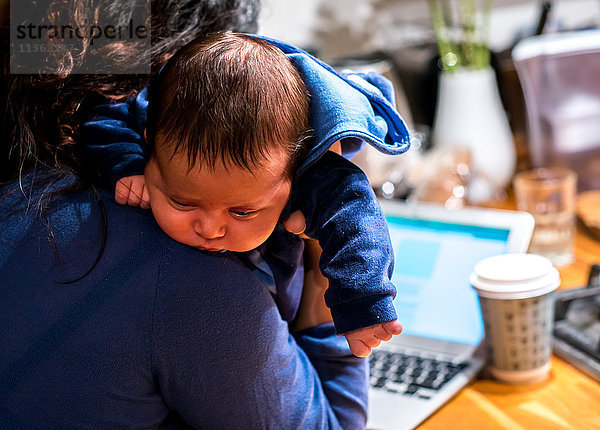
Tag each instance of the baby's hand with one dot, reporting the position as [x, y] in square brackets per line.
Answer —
[132, 191]
[362, 341]
[296, 224]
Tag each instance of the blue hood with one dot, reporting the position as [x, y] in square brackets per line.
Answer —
[352, 107]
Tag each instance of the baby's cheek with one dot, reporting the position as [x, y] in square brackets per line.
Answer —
[249, 237]
[267, 228]
[167, 222]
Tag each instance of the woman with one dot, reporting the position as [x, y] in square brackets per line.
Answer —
[105, 322]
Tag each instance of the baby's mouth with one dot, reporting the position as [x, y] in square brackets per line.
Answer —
[203, 248]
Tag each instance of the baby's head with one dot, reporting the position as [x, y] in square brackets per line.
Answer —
[229, 123]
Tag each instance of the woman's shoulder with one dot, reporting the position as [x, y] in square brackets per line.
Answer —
[75, 230]
[85, 239]
[85, 236]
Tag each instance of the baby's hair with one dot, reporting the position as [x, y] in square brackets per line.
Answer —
[230, 98]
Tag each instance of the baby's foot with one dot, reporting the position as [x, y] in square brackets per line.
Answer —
[362, 341]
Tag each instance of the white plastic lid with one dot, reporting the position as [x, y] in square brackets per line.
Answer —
[556, 44]
[514, 276]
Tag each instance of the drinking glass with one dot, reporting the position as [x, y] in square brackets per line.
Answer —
[549, 194]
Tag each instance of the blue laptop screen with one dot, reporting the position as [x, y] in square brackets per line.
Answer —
[431, 273]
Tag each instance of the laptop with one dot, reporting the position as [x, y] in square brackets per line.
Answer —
[440, 349]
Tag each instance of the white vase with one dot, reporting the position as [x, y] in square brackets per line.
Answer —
[469, 114]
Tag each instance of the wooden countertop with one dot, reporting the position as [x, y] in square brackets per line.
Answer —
[568, 399]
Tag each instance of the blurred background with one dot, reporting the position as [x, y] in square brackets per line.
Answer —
[397, 39]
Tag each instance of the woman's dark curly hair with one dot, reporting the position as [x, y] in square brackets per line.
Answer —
[40, 114]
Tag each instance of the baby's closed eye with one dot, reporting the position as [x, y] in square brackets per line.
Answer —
[180, 204]
[243, 214]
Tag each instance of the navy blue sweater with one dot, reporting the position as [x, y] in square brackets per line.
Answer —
[334, 195]
[157, 335]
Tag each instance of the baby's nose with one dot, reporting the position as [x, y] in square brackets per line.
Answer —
[209, 229]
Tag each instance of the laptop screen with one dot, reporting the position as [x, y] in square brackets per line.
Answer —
[431, 273]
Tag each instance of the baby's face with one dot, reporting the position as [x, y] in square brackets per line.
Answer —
[218, 209]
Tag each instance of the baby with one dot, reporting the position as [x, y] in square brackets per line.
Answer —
[228, 128]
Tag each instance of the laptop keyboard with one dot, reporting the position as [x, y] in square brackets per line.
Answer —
[411, 375]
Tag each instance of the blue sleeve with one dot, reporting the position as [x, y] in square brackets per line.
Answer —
[235, 364]
[344, 379]
[113, 142]
[342, 212]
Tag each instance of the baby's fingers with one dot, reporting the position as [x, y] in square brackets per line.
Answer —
[296, 223]
[135, 195]
[145, 203]
[381, 333]
[122, 190]
[393, 327]
[366, 336]
[358, 348]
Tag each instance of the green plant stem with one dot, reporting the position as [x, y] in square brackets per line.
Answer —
[440, 27]
[462, 42]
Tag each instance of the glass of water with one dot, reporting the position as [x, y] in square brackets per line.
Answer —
[549, 194]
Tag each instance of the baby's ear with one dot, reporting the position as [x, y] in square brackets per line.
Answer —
[146, 134]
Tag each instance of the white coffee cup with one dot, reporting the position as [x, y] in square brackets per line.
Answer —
[517, 304]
